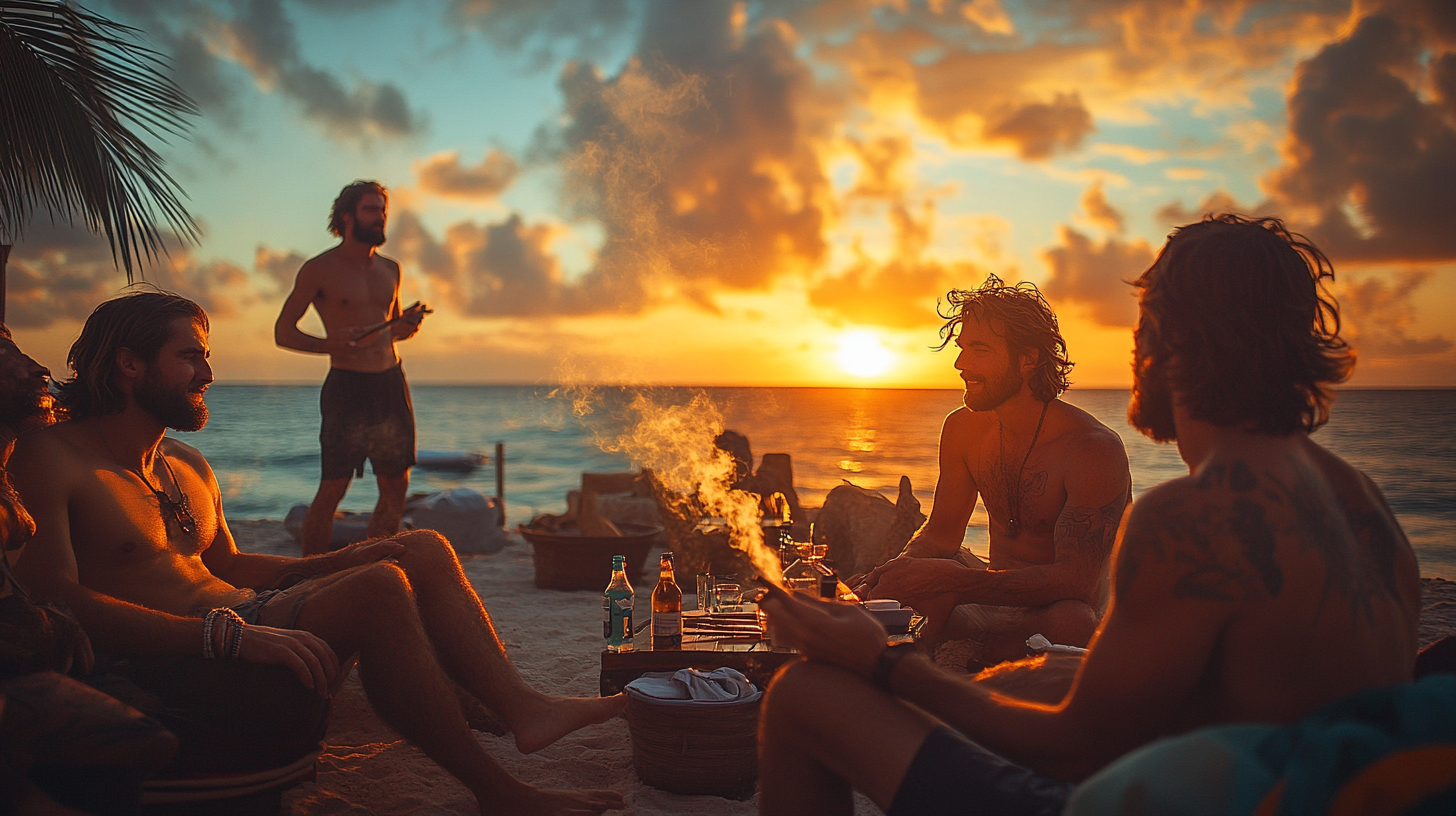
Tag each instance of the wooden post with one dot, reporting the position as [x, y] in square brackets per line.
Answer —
[500, 481]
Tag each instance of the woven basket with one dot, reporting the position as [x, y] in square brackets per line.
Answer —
[695, 749]
[568, 560]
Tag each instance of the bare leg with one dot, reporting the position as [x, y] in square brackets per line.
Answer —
[472, 654]
[824, 732]
[384, 521]
[371, 611]
[318, 525]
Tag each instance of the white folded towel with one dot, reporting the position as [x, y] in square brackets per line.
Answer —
[723, 685]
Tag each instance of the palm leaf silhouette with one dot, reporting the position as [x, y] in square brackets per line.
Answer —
[75, 88]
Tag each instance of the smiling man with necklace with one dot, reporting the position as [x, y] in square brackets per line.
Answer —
[1054, 480]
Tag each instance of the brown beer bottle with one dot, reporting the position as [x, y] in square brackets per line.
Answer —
[667, 626]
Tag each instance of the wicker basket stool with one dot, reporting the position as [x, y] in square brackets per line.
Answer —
[695, 748]
[567, 560]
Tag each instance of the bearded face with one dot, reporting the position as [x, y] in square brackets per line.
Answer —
[370, 234]
[25, 396]
[180, 407]
[985, 393]
[1151, 411]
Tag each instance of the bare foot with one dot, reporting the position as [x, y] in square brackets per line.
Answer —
[532, 802]
[552, 718]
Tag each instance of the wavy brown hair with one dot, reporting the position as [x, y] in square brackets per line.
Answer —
[1023, 317]
[348, 203]
[140, 322]
[1236, 319]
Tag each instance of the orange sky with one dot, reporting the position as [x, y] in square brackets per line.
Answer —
[725, 193]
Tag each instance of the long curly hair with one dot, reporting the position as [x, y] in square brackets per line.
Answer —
[1236, 319]
[141, 322]
[1023, 317]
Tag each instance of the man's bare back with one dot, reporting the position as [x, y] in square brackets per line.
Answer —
[1319, 588]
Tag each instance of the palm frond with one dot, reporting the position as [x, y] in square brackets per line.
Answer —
[73, 85]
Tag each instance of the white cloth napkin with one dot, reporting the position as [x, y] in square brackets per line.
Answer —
[723, 685]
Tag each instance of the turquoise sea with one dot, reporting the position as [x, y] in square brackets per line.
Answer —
[263, 444]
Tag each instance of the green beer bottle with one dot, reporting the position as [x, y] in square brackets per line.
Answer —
[617, 608]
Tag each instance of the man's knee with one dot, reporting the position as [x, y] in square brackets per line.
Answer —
[1069, 622]
[378, 584]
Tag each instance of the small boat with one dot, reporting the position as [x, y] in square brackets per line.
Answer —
[454, 461]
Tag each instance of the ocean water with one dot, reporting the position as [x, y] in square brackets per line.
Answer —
[263, 444]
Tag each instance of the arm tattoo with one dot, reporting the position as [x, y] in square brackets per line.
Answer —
[1090, 531]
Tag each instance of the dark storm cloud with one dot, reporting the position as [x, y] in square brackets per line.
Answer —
[61, 273]
[1368, 160]
[443, 174]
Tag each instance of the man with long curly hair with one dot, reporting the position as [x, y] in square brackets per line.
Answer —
[1054, 480]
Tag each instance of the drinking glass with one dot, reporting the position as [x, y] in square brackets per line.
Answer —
[705, 592]
[727, 594]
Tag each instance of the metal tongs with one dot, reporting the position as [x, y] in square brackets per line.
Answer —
[403, 316]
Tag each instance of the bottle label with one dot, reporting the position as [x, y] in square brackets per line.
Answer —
[666, 624]
[624, 603]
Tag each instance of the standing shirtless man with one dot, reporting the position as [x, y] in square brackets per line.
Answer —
[365, 400]
[130, 534]
[1055, 482]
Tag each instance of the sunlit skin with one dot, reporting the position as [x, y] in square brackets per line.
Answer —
[402, 605]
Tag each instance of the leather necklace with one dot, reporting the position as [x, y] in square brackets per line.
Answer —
[1013, 494]
[179, 508]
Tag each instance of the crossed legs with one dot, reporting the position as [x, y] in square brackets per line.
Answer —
[416, 625]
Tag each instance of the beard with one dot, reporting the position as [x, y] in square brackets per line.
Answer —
[996, 389]
[371, 235]
[178, 409]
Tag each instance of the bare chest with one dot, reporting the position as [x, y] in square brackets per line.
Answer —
[1030, 489]
[124, 534]
[355, 295]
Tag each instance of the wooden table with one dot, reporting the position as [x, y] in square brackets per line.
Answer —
[752, 656]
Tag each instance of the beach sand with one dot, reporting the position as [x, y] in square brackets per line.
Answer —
[554, 640]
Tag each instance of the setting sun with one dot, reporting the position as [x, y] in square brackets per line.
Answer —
[861, 354]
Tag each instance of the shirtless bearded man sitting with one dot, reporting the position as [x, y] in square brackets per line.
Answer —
[130, 533]
[1271, 580]
[1055, 482]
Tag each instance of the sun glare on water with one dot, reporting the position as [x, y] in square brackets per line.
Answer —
[861, 354]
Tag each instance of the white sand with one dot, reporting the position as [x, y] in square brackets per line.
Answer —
[553, 639]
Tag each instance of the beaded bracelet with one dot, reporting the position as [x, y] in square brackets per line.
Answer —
[232, 634]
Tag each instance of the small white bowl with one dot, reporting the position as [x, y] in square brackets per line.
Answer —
[886, 605]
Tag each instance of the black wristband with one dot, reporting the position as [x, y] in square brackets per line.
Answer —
[887, 661]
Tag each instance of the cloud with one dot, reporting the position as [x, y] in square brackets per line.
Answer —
[1377, 314]
[1369, 162]
[1095, 274]
[278, 267]
[506, 269]
[261, 39]
[545, 28]
[1039, 129]
[62, 273]
[897, 293]
[443, 174]
[1099, 212]
[700, 157]
[1175, 214]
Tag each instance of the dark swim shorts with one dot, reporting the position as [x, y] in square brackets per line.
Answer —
[952, 776]
[367, 415]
